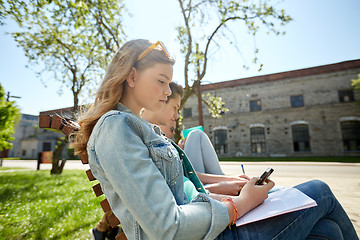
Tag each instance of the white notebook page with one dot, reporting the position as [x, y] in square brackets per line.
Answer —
[279, 202]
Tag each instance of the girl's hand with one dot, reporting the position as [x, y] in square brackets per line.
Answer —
[181, 143]
[252, 195]
[231, 188]
[244, 176]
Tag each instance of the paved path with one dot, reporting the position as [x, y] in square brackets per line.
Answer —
[343, 178]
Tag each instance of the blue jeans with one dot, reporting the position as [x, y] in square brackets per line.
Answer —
[326, 221]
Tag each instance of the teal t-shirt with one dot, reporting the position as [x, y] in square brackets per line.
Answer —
[189, 189]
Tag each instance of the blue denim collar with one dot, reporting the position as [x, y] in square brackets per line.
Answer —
[122, 108]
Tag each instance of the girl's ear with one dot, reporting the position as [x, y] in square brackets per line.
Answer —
[131, 78]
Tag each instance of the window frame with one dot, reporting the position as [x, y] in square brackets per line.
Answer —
[342, 94]
[187, 112]
[258, 106]
[295, 144]
[218, 147]
[352, 132]
[254, 141]
[293, 101]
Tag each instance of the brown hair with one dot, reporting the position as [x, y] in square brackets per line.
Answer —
[176, 89]
[110, 91]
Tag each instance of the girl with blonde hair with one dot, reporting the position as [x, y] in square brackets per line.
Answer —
[142, 173]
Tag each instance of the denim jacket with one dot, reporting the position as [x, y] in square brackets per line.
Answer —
[141, 174]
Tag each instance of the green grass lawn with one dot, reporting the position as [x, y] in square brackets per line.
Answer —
[345, 159]
[36, 205]
[11, 168]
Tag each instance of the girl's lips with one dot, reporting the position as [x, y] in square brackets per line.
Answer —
[163, 101]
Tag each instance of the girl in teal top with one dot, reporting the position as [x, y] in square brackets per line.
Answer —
[189, 189]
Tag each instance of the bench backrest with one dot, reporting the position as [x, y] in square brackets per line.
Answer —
[67, 126]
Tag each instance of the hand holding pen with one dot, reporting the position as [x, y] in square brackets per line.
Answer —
[244, 174]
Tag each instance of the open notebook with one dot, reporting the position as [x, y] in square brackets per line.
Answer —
[280, 202]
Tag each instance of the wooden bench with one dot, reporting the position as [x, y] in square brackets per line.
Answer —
[67, 126]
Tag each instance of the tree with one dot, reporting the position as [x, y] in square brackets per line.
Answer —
[205, 23]
[2, 9]
[356, 84]
[9, 117]
[71, 40]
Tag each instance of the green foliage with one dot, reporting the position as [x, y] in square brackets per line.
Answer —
[215, 104]
[71, 153]
[2, 10]
[36, 205]
[356, 83]
[71, 40]
[9, 117]
[208, 22]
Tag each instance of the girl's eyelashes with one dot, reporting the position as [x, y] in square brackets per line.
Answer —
[161, 81]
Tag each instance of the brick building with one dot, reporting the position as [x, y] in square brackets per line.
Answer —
[306, 112]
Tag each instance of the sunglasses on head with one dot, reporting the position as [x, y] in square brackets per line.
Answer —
[152, 47]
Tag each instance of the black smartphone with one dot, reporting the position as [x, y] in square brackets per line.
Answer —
[264, 176]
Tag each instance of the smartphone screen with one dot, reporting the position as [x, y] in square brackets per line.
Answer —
[264, 176]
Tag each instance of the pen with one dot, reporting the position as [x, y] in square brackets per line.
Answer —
[242, 166]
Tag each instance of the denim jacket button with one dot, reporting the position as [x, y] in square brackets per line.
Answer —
[169, 153]
[191, 172]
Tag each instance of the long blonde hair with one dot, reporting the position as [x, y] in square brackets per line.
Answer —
[111, 89]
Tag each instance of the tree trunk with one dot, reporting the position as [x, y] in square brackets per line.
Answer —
[58, 163]
[177, 136]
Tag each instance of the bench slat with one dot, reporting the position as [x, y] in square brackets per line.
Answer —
[113, 220]
[120, 236]
[90, 175]
[84, 158]
[97, 190]
[67, 130]
[44, 121]
[105, 205]
[56, 122]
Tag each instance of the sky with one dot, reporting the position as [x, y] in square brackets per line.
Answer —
[322, 32]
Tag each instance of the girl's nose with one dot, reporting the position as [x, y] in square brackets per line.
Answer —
[176, 115]
[167, 91]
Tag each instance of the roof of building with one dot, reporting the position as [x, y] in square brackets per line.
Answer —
[341, 66]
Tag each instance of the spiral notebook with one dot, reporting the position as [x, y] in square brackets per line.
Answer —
[280, 202]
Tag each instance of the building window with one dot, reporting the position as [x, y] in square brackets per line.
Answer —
[297, 101]
[187, 113]
[301, 138]
[220, 140]
[47, 146]
[255, 105]
[23, 153]
[257, 135]
[346, 96]
[351, 135]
